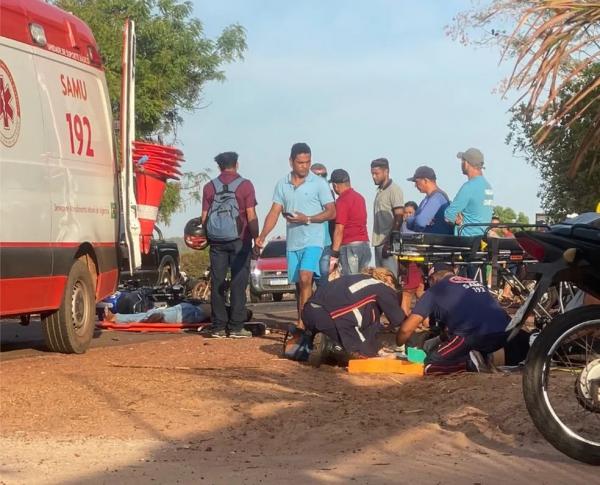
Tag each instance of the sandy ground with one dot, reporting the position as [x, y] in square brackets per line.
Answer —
[194, 410]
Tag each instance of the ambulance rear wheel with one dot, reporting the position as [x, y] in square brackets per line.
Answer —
[70, 329]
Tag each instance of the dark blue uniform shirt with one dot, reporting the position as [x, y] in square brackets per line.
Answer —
[464, 306]
[360, 300]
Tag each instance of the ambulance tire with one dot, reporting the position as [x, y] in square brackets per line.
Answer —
[70, 329]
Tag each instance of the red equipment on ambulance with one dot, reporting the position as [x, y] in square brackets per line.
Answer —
[67, 205]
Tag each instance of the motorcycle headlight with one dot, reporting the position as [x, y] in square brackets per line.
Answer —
[256, 272]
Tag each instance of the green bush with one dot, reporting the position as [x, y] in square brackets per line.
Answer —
[194, 263]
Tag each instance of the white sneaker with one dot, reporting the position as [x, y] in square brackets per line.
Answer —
[479, 362]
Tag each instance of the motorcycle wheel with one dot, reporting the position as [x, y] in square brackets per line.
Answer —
[561, 383]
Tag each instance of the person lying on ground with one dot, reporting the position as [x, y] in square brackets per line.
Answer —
[475, 323]
[183, 312]
[346, 314]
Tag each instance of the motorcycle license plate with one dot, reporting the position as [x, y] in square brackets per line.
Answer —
[279, 282]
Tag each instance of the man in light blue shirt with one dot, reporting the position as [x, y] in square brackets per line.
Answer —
[305, 200]
[474, 201]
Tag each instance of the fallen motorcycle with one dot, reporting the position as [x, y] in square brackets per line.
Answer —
[561, 383]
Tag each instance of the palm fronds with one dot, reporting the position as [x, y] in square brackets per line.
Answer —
[557, 41]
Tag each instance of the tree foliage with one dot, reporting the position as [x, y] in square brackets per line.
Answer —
[178, 195]
[508, 215]
[553, 42]
[194, 263]
[174, 61]
[561, 195]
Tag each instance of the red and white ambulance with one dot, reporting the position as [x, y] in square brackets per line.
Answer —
[64, 199]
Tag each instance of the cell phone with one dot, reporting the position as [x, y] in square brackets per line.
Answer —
[289, 214]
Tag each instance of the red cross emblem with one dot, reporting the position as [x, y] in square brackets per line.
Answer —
[10, 111]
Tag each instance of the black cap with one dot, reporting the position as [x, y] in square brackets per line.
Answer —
[339, 176]
[423, 172]
[440, 267]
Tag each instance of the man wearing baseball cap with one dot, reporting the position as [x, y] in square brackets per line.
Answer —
[429, 216]
[350, 238]
[474, 201]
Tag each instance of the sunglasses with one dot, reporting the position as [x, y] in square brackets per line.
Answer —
[322, 174]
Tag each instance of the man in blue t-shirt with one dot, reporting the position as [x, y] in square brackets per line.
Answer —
[305, 201]
[474, 322]
[429, 217]
[474, 201]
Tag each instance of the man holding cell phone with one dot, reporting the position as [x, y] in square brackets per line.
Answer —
[305, 201]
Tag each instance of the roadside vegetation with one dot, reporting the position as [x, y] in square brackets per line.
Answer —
[554, 48]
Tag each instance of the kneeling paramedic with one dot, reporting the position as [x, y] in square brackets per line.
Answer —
[475, 323]
[345, 313]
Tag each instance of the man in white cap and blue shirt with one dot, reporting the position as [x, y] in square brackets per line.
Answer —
[474, 201]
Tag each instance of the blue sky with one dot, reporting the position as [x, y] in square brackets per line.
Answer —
[356, 80]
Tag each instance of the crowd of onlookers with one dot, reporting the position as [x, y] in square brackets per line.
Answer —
[326, 224]
[328, 243]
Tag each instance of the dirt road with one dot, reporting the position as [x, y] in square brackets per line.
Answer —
[195, 410]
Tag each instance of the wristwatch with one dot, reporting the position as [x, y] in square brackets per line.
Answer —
[308, 220]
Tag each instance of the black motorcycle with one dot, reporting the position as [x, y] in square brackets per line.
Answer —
[561, 383]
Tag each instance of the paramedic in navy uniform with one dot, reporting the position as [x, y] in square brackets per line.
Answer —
[232, 255]
[475, 323]
[347, 311]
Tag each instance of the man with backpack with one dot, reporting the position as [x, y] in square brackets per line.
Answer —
[229, 216]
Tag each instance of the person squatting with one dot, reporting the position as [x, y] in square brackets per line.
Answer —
[326, 233]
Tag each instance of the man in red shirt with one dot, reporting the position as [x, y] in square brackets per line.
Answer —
[350, 238]
[234, 225]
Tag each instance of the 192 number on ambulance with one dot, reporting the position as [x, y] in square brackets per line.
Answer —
[80, 134]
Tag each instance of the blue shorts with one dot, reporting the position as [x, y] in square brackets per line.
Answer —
[306, 259]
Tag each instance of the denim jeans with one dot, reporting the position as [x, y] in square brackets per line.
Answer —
[355, 257]
[231, 256]
[181, 313]
[324, 266]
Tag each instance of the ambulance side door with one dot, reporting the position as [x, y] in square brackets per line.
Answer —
[25, 206]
